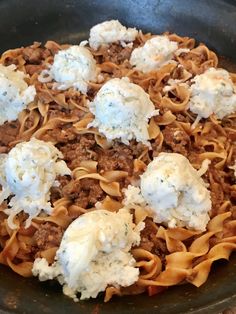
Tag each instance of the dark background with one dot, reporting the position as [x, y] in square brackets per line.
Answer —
[25, 21]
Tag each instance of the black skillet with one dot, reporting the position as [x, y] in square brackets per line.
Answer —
[68, 21]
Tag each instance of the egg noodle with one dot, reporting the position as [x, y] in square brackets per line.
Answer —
[165, 257]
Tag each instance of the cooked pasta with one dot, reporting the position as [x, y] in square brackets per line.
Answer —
[101, 170]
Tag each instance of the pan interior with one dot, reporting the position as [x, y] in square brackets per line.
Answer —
[68, 21]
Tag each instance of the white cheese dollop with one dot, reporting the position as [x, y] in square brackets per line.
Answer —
[174, 192]
[122, 110]
[133, 196]
[155, 53]
[15, 94]
[28, 172]
[109, 32]
[94, 253]
[213, 92]
[72, 67]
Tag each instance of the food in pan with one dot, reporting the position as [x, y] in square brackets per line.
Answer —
[117, 162]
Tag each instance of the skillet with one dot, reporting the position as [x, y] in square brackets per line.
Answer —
[69, 21]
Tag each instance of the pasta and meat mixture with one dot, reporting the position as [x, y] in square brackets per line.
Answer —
[101, 170]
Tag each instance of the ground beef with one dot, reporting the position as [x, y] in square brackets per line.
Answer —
[47, 236]
[33, 68]
[60, 135]
[132, 290]
[137, 148]
[221, 187]
[63, 180]
[119, 157]
[118, 54]
[217, 196]
[29, 123]
[181, 118]
[178, 73]
[8, 132]
[56, 191]
[74, 153]
[72, 189]
[35, 54]
[84, 193]
[56, 111]
[225, 178]
[52, 46]
[64, 110]
[150, 242]
[177, 139]
[197, 58]
[231, 135]
[233, 211]
[212, 134]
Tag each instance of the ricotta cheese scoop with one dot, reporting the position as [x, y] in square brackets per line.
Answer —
[15, 94]
[94, 253]
[109, 32]
[174, 192]
[122, 110]
[72, 67]
[213, 92]
[155, 53]
[27, 173]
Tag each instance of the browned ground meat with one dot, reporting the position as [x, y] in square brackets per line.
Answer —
[177, 139]
[150, 242]
[35, 55]
[178, 73]
[55, 194]
[47, 236]
[65, 111]
[74, 153]
[8, 132]
[85, 193]
[56, 191]
[33, 68]
[233, 211]
[60, 135]
[118, 54]
[119, 157]
[72, 189]
[221, 187]
[181, 118]
[132, 290]
[217, 197]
